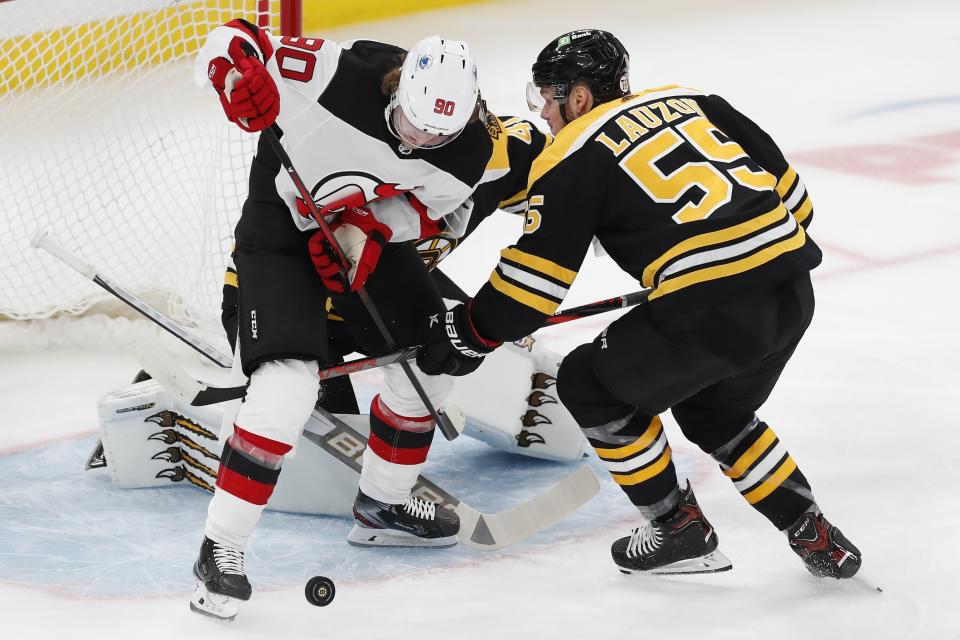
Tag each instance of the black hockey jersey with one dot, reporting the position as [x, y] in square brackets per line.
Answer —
[681, 190]
[335, 131]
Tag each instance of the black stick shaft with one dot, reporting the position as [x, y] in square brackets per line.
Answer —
[449, 432]
[601, 306]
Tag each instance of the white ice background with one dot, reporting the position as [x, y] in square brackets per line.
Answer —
[864, 98]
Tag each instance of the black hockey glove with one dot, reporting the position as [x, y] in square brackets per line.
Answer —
[453, 345]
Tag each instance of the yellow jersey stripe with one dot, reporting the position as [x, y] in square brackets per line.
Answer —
[499, 159]
[649, 437]
[751, 455]
[645, 474]
[803, 211]
[568, 138]
[543, 305]
[786, 181]
[542, 265]
[230, 279]
[731, 268]
[520, 196]
[770, 484]
[714, 237]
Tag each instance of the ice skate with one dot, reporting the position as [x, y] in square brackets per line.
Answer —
[414, 523]
[685, 543]
[825, 551]
[221, 581]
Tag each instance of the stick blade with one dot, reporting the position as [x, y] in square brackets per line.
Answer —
[488, 532]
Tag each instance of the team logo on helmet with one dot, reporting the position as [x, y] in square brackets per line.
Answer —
[425, 61]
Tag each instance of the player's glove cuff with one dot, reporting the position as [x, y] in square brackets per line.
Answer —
[454, 347]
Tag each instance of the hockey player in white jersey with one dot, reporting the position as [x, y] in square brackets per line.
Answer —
[389, 147]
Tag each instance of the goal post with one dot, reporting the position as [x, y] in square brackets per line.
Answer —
[105, 141]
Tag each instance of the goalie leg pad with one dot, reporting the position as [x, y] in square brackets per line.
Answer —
[527, 417]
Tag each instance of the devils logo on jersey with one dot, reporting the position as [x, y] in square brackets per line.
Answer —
[338, 191]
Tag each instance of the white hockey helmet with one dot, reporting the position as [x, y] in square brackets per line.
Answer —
[437, 93]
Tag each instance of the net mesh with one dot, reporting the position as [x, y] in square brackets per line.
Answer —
[106, 142]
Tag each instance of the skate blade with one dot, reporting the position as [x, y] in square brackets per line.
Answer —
[713, 562]
[214, 605]
[361, 536]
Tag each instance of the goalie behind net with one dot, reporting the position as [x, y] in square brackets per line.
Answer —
[106, 141]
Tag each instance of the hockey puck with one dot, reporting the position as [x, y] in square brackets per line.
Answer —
[320, 591]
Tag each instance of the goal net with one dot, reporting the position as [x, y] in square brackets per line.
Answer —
[106, 142]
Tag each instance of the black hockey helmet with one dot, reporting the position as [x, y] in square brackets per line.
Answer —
[591, 56]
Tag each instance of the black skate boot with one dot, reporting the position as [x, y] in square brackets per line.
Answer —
[414, 523]
[221, 581]
[684, 543]
[824, 550]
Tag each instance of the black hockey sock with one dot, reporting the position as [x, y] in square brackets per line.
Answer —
[765, 474]
[635, 451]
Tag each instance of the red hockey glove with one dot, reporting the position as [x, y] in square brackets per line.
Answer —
[361, 237]
[453, 347]
[247, 92]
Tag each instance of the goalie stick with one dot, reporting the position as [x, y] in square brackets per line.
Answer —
[41, 239]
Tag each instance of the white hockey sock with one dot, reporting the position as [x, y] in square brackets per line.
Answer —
[230, 520]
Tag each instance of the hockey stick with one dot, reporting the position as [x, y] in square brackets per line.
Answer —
[601, 306]
[42, 240]
[443, 423]
[202, 394]
[162, 366]
[483, 531]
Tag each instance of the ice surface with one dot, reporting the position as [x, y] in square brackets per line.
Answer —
[864, 98]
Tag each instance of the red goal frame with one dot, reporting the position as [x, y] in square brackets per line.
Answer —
[291, 16]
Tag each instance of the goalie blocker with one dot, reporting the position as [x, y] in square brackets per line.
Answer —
[153, 438]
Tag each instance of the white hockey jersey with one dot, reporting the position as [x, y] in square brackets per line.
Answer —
[335, 131]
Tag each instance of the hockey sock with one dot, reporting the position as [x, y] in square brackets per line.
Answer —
[249, 468]
[395, 453]
[635, 451]
[765, 474]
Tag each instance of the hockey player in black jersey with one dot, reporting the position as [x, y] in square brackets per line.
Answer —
[390, 145]
[699, 204]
